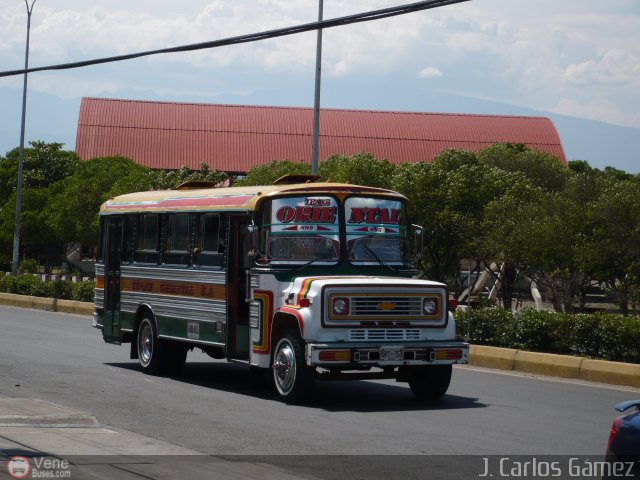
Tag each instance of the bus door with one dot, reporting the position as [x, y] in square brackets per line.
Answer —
[113, 254]
[237, 293]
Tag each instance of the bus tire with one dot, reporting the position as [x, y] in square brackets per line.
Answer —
[430, 382]
[292, 377]
[152, 352]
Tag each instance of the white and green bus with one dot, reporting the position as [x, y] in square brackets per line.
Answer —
[309, 280]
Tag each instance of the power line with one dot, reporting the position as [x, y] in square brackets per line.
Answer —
[252, 37]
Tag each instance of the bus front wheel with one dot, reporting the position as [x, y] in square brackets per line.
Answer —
[430, 382]
[292, 377]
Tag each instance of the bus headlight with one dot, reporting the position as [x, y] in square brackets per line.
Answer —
[341, 306]
[429, 306]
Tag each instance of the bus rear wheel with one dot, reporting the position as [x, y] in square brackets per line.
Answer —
[430, 382]
[157, 356]
[292, 377]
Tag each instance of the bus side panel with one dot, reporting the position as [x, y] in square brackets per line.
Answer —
[187, 303]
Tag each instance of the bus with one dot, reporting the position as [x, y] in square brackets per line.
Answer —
[307, 280]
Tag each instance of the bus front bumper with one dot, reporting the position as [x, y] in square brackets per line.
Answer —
[331, 355]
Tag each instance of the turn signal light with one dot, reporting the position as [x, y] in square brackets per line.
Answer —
[335, 356]
[452, 354]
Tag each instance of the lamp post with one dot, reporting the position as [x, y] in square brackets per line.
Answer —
[316, 102]
[16, 232]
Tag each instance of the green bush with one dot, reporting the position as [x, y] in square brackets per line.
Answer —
[62, 289]
[28, 266]
[29, 285]
[488, 326]
[8, 284]
[83, 291]
[596, 335]
[33, 286]
[541, 331]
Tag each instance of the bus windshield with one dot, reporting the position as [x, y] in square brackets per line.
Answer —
[303, 229]
[298, 230]
[376, 232]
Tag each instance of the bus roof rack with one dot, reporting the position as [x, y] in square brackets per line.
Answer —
[196, 184]
[297, 178]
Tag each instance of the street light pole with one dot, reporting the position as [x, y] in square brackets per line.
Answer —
[16, 232]
[316, 102]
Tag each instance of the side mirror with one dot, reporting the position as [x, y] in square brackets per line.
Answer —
[252, 230]
[418, 240]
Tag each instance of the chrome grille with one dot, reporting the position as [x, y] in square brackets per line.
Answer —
[384, 334]
[373, 306]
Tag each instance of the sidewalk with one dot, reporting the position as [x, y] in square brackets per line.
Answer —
[53, 441]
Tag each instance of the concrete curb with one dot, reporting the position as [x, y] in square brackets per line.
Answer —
[29, 412]
[47, 304]
[610, 372]
[564, 366]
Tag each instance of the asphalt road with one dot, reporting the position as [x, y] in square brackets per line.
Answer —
[221, 409]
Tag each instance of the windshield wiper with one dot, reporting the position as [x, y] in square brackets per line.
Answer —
[305, 265]
[368, 249]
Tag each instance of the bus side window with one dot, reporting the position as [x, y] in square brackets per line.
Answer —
[147, 240]
[210, 241]
[101, 243]
[128, 241]
[177, 239]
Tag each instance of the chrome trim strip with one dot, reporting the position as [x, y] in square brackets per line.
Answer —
[215, 277]
[384, 334]
[201, 310]
[188, 340]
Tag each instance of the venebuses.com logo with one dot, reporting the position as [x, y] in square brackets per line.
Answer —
[18, 467]
[38, 467]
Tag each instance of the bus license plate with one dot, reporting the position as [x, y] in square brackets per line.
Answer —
[391, 354]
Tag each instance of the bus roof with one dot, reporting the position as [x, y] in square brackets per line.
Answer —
[239, 199]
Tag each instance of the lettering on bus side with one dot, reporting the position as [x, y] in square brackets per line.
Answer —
[207, 291]
[140, 286]
[173, 289]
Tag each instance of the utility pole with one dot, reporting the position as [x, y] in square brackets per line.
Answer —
[316, 101]
[16, 233]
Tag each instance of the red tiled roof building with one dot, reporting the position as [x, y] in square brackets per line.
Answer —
[234, 138]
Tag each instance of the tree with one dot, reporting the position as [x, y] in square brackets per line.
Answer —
[359, 169]
[44, 165]
[548, 236]
[37, 239]
[170, 179]
[75, 202]
[447, 197]
[580, 166]
[268, 173]
[542, 169]
[616, 239]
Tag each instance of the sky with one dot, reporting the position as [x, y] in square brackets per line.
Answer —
[569, 58]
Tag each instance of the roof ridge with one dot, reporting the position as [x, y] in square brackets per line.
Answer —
[330, 109]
